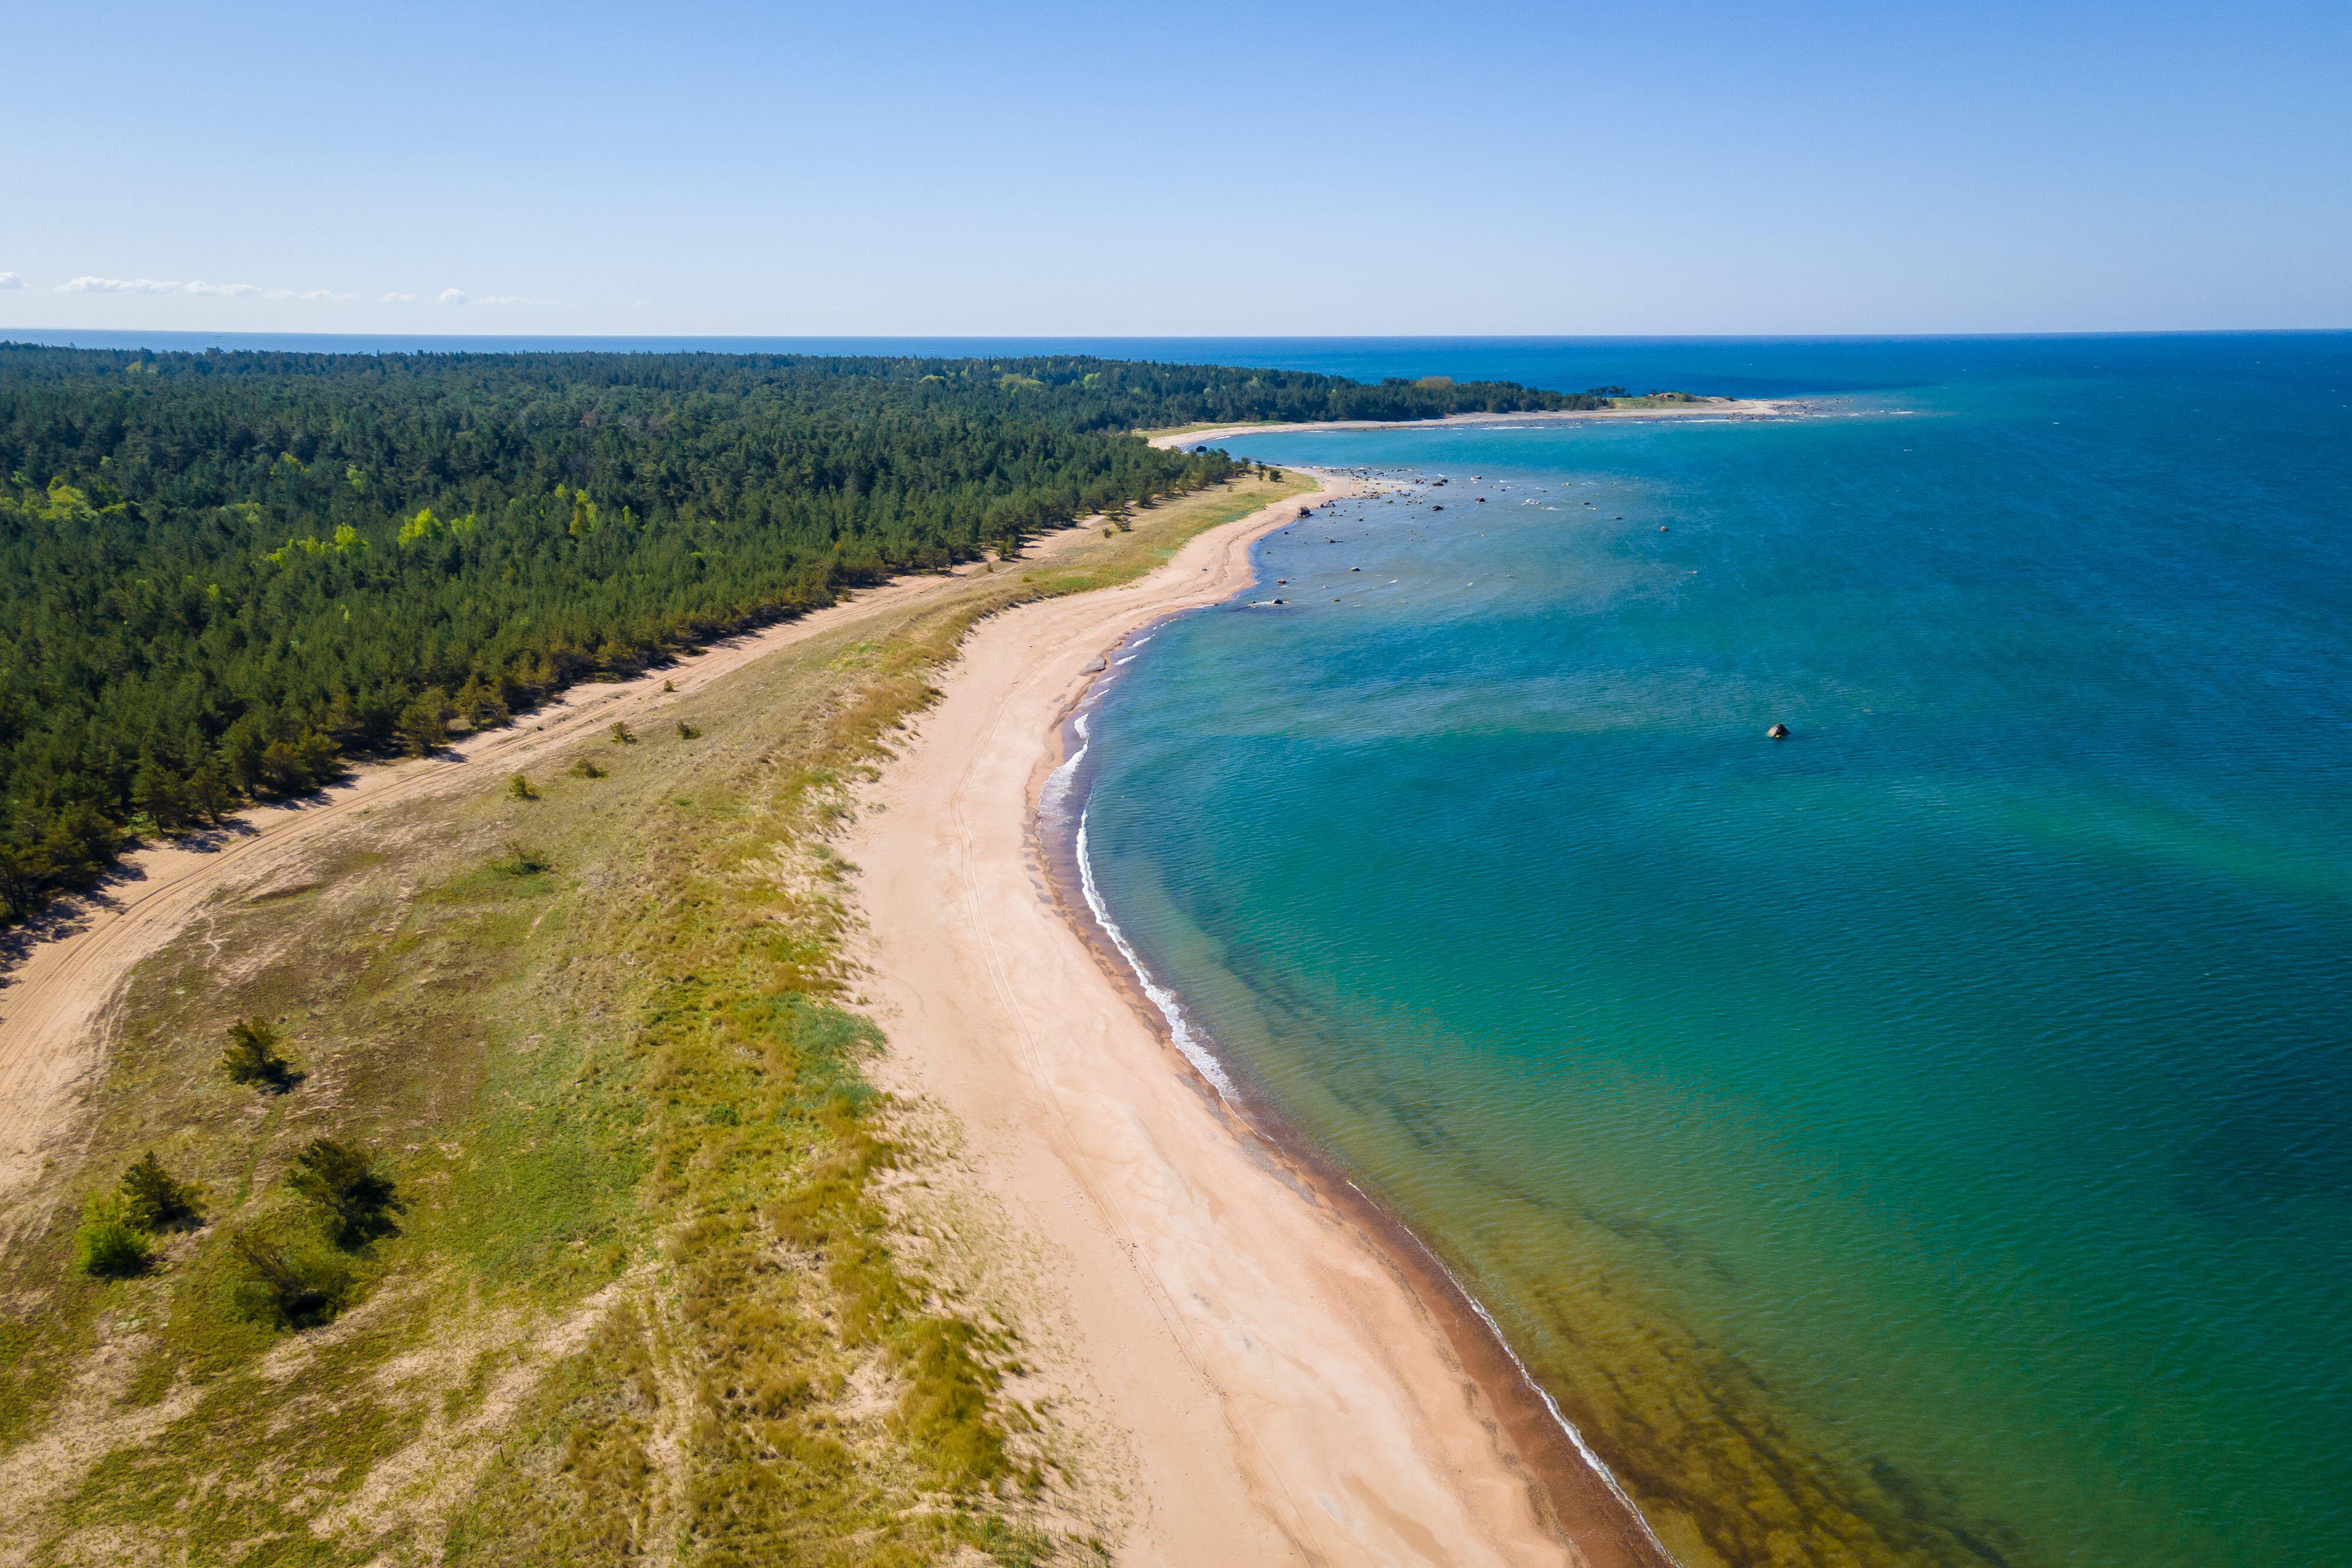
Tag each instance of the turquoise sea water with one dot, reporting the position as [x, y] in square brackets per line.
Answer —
[1921, 1140]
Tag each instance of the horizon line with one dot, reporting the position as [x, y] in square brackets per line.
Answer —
[46, 336]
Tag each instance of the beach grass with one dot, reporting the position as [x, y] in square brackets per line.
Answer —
[658, 1288]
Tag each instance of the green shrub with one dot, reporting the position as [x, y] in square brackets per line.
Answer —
[519, 788]
[686, 731]
[353, 1202]
[621, 734]
[152, 1199]
[295, 1287]
[519, 861]
[252, 1055]
[108, 1246]
[586, 769]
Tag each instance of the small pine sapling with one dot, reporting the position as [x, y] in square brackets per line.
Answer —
[355, 1202]
[519, 861]
[294, 1288]
[252, 1055]
[154, 1199]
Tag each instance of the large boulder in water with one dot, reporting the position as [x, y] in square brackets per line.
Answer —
[1777, 732]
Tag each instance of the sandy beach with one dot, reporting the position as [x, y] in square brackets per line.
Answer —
[1276, 1388]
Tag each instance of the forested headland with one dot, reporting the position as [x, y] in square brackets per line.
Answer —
[223, 575]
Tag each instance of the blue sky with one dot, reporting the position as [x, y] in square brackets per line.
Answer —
[1377, 168]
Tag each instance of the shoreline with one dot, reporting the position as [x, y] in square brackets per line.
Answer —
[1579, 1484]
[1290, 1373]
[1728, 408]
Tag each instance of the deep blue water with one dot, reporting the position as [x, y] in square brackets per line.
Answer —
[1921, 1139]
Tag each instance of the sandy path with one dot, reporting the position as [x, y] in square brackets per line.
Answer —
[54, 1000]
[1280, 1393]
[1742, 408]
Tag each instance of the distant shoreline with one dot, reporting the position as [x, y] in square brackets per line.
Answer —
[1716, 408]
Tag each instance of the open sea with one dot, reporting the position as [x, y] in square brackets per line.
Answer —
[1927, 1139]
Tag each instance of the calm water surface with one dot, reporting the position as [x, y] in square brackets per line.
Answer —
[1920, 1140]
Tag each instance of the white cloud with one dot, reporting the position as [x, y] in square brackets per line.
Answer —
[255, 291]
[157, 286]
[459, 296]
[198, 287]
[10, 280]
[119, 285]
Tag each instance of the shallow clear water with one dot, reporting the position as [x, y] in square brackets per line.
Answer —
[1923, 1139]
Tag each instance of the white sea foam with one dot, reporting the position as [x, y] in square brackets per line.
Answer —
[1180, 1027]
[1057, 783]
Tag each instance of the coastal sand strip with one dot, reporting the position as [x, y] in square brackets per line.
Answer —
[1283, 1392]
